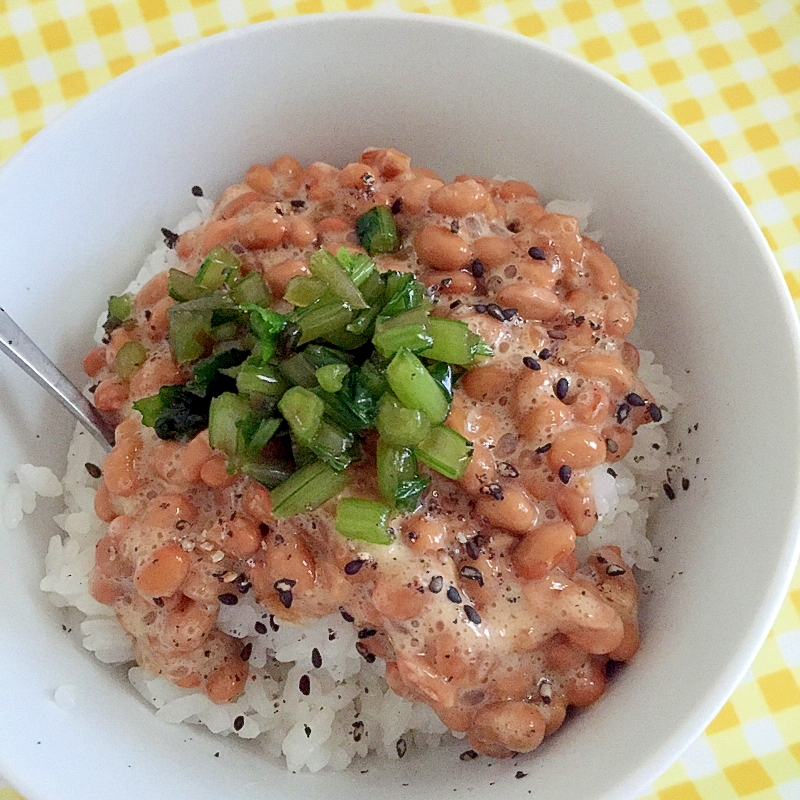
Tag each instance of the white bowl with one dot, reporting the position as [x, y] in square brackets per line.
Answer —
[81, 205]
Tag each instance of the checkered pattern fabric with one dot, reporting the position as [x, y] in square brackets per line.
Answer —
[728, 71]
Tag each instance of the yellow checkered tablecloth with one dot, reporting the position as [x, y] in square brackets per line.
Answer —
[728, 71]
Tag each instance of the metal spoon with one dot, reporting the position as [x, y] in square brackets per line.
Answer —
[19, 347]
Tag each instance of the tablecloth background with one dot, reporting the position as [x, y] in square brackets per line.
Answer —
[728, 72]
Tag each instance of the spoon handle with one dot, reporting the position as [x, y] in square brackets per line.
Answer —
[16, 344]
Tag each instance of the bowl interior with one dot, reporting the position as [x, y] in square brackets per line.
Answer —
[81, 206]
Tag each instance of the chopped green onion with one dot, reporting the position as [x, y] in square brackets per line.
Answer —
[357, 265]
[251, 289]
[189, 332]
[333, 446]
[303, 410]
[307, 489]
[323, 265]
[120, 307]
[446, 451]
[322, 319]
[399, 425]
[366, 520]
[129, 358]
[208, 374]
[260, 379]
[175, 413]
[224, 415]
[445, 377]
[266, 429]
[403, 292]
[303, 290]
[298, 371]
[266, 473]
[415, 387]
[330, 376]
[377, 232]
[219, 268]
[181, 286]
[266, 325]
[398, 480]
[407, 330]
[453, 342]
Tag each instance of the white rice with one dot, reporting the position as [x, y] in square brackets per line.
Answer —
[350, 710]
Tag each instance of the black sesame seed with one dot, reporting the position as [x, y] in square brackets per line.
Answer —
[468, 755]
[537, 254]
[453, 595]
[472, 548]
[493, 490]
[260, 627]
[446, 282]
[494, 311]
[401, 747]
[477, 268]
[685, 484]
[544, 448]
[274, 625]
[611, 472]
[364, 652]
[170, 238]
[455, 304]
[298, 203]
[243, 585]
[286, 598]
[159, 601]
[93, 469]
[345, 616]
[635, 399]
[246, 652]
[197, 191]
[562, 387]
[366, 633]
[565, 473]
[655, 412]
[520, 774]
[614, 570]
[545, 354]
[471, 574]
[480, 308]
[531, 363]
[513, 226]
[397, 205]
[622, 413]
[669, 491]
[352, 567]
[358, 730]
[454, 226]
[228, 599]
[436, 584]
[507, 470]
[472, 615]
[509, 313]
[305, 685]
[238, 723]
[307, 731]
[316, 658]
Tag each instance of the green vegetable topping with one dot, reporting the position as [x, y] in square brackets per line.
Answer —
[366, 520]
[291, 397]
[377, 232]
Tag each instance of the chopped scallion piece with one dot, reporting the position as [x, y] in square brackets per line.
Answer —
[357, 265]
[224, 416]
[403, 292]
[407, 330]
[251, 289]
[307, 489]
[321, 319]
[399, 425]
[330, 376]
[219, 268]
[189, 332]
[453, 342]
[264, 379]
[398, 480]
[366, 520]
[120, 307]
[130, 357]
[415, 387]
[303, 411]
[181, 286]
[323, 265]
[446, 451]
[377, 232]
[303, 290]
[333, 446]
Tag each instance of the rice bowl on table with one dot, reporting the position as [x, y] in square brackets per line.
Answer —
[385, 458]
